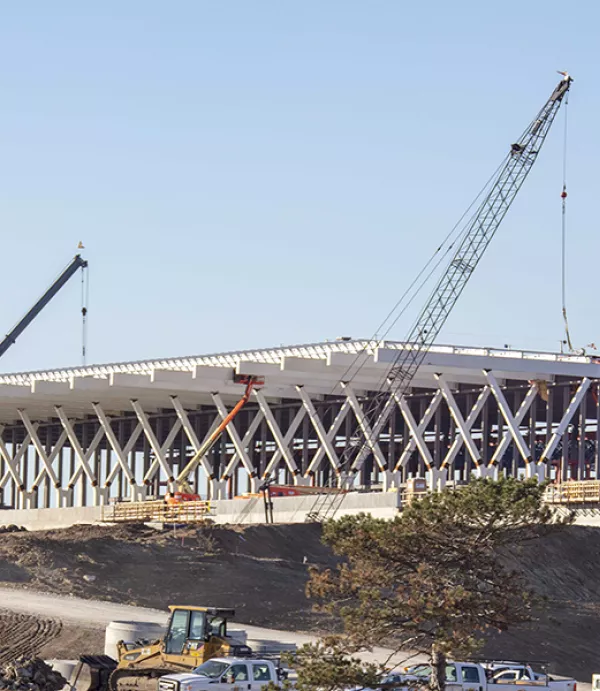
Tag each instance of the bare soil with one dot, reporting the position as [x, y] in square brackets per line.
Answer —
[21, 634]
[261, 571]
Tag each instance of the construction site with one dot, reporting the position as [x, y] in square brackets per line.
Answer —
[131, 487]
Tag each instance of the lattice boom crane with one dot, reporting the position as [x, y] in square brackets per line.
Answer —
[473, 242]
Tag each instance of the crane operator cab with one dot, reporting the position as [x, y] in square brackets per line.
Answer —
[201, 632]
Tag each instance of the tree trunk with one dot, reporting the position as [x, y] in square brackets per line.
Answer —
[438, 669]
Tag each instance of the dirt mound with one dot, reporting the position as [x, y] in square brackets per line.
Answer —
[261, 571]
[21, 634]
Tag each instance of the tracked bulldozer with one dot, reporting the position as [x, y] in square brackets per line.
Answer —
[194, 635]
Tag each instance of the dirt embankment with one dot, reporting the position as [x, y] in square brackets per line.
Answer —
[261, 571]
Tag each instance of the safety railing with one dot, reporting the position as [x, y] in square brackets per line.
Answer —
[158, 512]
[574, 492]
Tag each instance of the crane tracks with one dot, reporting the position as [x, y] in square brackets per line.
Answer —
[23, 634]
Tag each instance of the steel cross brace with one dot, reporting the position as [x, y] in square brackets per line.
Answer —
[154, 445]
[63, 495]
[465, 432]
[281, 441]
[100, 494]
[323, 436]
[127, 449]
[370, 434]
[417, 431]
[413, 428]
[156, 464]
[516, 421]
[88, 454]
[137, 492]
[469, 422]
[41, 451]
[250, 432]
[511, 422]
[283, 445]
[566, 419]
[13, 463]
[330, 437]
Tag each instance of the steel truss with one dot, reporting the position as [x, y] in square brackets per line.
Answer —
[446, 433]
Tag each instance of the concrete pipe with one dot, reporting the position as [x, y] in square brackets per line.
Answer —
[238, 635]
[265, 646]
[64, 667]
[130, 631]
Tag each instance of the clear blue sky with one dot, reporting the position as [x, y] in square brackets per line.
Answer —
[250, 174]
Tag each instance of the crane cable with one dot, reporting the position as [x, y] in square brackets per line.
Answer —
[563, 196]
[85, 294]
[448, 243]
[418, 282]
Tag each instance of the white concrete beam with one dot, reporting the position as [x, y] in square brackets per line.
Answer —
[50, 388]
[303, 364]
[89, 384]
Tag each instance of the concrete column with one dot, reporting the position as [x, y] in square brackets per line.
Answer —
[537, 471]
[389, 480]
[488, 472]
[438, 478]
[28, 500]
[101, 495]
[138, 492]
[218, 489]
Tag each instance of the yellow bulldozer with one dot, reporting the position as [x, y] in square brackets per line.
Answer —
[194, 635]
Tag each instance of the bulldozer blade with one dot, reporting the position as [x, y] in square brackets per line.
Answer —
[100, 667]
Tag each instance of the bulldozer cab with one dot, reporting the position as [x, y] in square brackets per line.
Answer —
[194, 635]
[192, 628]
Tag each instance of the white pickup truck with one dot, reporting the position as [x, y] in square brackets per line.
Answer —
[224, 674]
[470, 676]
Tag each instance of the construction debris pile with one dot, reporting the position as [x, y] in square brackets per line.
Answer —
[30, 674]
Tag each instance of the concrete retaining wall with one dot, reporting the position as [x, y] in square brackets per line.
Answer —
[233, 511]
[43, 519]
[296, 509]
[251, 511]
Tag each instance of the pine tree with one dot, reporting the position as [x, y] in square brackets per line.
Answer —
[433, 579]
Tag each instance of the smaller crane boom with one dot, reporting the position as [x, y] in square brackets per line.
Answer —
[76, 264]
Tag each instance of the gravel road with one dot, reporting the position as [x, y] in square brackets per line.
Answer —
[97, 614]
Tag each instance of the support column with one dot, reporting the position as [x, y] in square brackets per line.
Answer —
[489, 472]
[597, 440]
[438, 478]
[549, 428]
[581, 440]
[565, 467]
